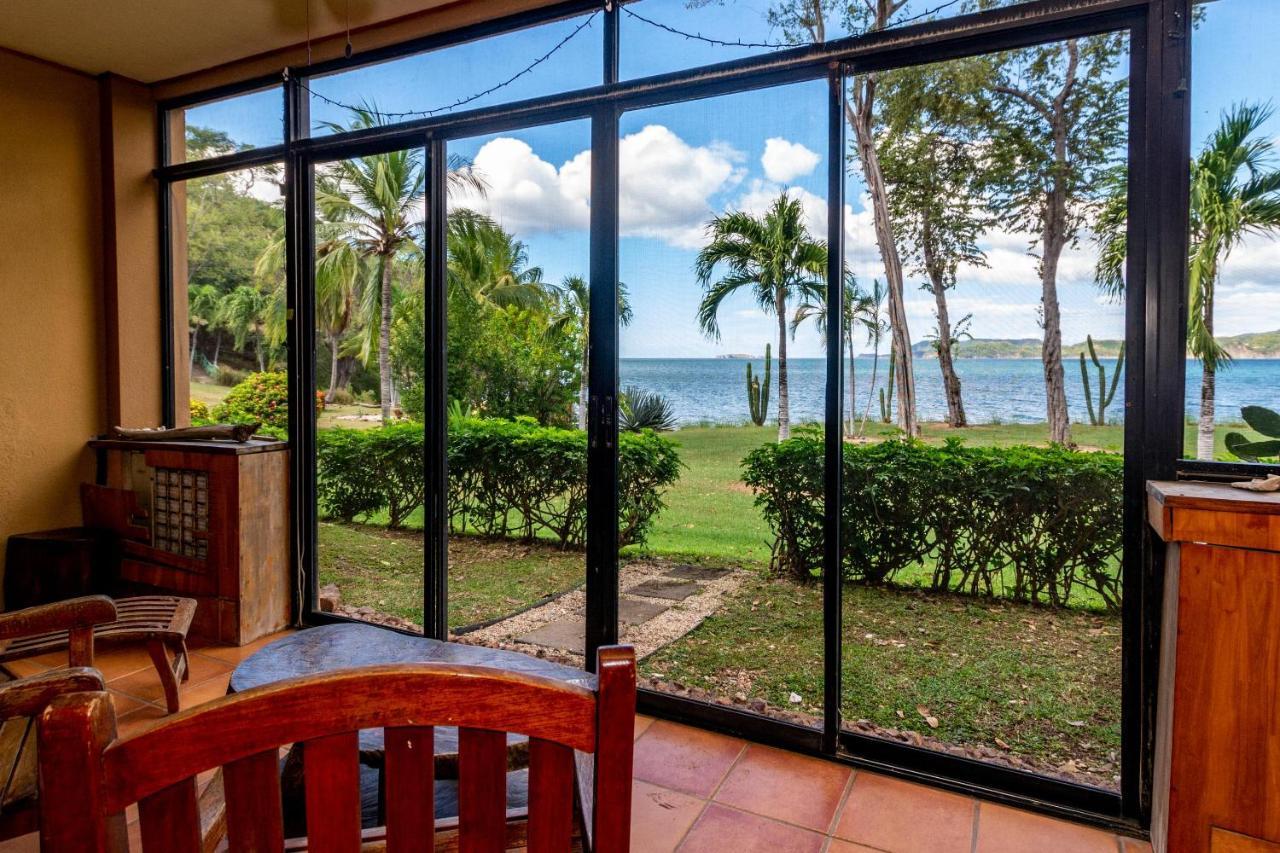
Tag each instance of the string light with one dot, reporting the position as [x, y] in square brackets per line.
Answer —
[528, 69]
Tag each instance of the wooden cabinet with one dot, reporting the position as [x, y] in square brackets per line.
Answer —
[208, 520]
[1218, 723]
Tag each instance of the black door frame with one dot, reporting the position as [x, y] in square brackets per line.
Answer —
[1155, 326]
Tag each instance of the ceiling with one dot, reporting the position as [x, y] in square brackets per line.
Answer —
[150, 40]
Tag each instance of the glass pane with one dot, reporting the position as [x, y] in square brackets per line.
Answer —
[369, 359]
[658, 36]
[228, 270]
[1233, 357]
[517, 326]
[982, 561]
[722, 354]
[216, 128]
[528, 63]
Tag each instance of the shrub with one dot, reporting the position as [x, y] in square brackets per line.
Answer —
[340, 397]
[641, 410]
[228, 376]
[1030, 523]
[260, 397]
[506, 478]
[199, 411]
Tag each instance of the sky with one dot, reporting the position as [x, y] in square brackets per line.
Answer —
[681, 164]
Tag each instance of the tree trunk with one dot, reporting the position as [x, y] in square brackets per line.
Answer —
[861, 122]
[1053, 242]
[784, 403]
[1208, 391]
[583, 388]
[384, 343]
[871, 390]
[217, 346]
[950, 380]
[346, 365]
[851, 415]
[333, 367]
[195, 339]
[262, 356]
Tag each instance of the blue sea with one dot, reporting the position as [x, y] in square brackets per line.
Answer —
[995, 390]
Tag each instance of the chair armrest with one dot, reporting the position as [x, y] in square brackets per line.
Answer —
[27, 697]
[84, 612]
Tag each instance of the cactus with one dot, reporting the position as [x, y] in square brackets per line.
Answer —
[758, 393]
[1098, 414]
[1262, 420]
[886, 393]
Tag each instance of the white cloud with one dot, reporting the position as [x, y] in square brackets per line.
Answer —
[523, 192]
[785, 161]
[665, 184]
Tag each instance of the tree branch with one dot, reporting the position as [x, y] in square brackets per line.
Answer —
[1031, 100]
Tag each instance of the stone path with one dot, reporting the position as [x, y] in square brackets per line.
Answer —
[659, 602]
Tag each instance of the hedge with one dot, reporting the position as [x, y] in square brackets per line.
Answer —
[506, 478]
[1024, 522]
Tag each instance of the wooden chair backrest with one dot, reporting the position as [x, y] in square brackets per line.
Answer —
[88, 777]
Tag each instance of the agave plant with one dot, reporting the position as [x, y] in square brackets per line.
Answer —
[640, 409]
[1259, 419]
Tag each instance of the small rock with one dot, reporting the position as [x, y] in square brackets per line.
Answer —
[330, 598]
[795, 698]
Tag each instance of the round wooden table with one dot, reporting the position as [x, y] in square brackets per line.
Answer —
[331, 647]
[343, 646]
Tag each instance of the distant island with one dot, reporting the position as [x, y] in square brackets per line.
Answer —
[1252, 345]
[736, 355]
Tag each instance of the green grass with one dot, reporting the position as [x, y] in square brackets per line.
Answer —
[380, 568]
[1044, 683]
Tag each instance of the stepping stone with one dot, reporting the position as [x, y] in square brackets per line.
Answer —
[672, 590]
[568, 635]
[633, 611]
[697, 573]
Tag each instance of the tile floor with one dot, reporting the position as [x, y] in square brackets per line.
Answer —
[700, 792]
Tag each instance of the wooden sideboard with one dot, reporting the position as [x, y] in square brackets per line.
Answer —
[208, 520]
[1217, 782]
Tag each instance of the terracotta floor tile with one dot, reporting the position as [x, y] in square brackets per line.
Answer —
[25, 667]
[722, 829]
[686, 759]
[1133, 845]
[234, 654]
[902, 816]
[125, 704]
[145, 683]
[660, 817]
[785, 786]
[22, 844]
[1004, 830]
[838, 845]
[140, 720]
[642, 723]
[206, 691]
[113, 660]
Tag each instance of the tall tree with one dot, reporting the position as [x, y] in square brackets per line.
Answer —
[1056, 119]
[379, 199]
[807, 19]
[1235, 192]
[860, 311]
[773, 257]
[929, 156]
[572, 315]
[203, 302]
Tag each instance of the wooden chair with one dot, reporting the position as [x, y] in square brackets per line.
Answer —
[88, 777]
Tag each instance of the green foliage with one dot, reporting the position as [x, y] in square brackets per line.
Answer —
[363, 471]
[1023, 522]
[640, 410]
[1259, 419]
[262, 397]
[757, 391]
[1098, 413]
[199, 411]
[228, 376]
[509, 478]
[340, 397]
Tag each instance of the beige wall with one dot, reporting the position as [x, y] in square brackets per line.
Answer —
[52, 373]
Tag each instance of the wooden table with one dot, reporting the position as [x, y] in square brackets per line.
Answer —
[332, 647]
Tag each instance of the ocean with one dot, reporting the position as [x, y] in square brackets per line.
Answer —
[995, 390]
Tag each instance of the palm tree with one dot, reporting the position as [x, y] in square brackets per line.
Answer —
[1234, 193]
[202, 312]
[243, 312]
[876, 329]
[572, 313]
[379, 201]
[489, 266]
[775, 258]
[859, 309]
